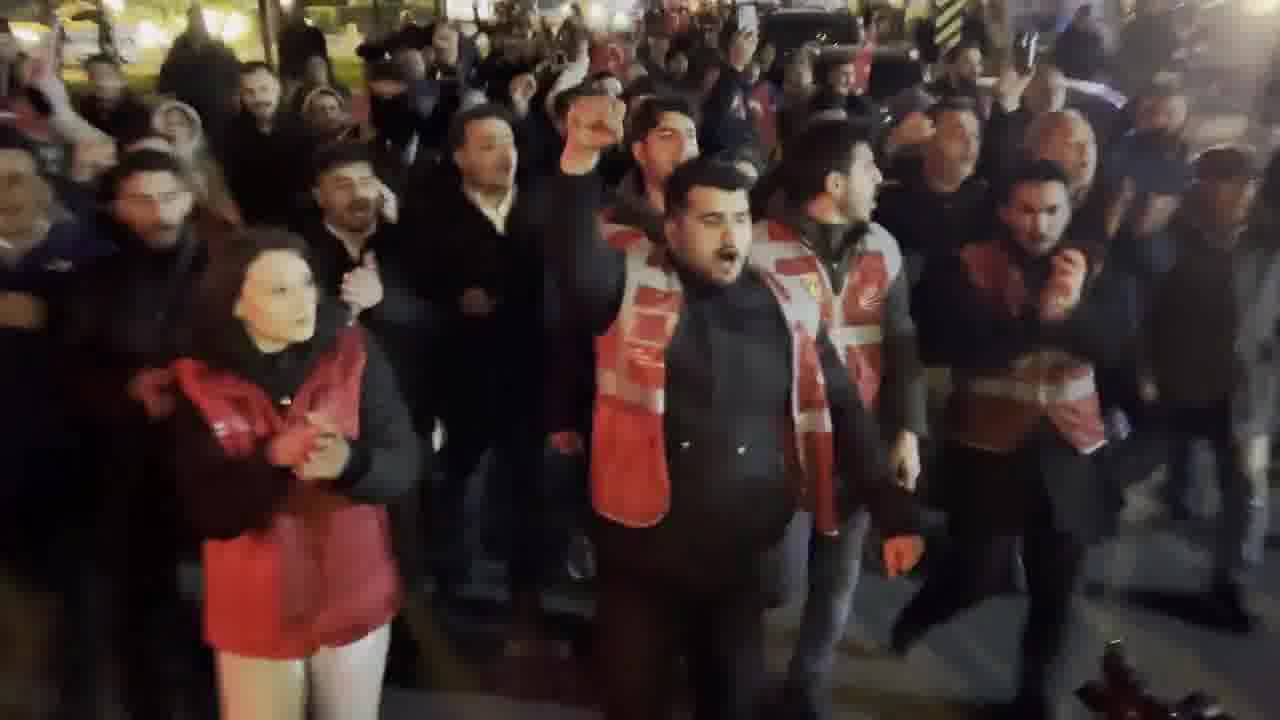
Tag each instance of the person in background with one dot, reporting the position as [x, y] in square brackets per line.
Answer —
[109, 104]
[1212, 318]
[262, 152]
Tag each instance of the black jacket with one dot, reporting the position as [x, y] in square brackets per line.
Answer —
[224, 497]
[728, 390]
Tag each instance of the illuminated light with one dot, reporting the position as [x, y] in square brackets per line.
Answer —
[151, 35]
[621, 21]
[115, 6]
[596, 14]
[1257, 8]
[227, 26]
[286, 5]
[26, 36]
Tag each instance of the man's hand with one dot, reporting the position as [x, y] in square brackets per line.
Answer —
[476, 302]
[595, 122]
[567, 443]
[1062, 293]
[1009, 89]
[901, 553]
[904, 458]
[153, 388]
[22, 311]
[362, 287]
[522, 88]
[1255, 455]
[389, 206]
[1155, 214]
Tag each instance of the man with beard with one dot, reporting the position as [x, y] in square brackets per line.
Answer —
[837, 73]
[46, 511]
[854, 267]
[361, 255]
[707, 371]
[487, 283]
[109, 104]
[1013, 318]
[126, 319]
[937, 202]
[662, 137]
[261, 155]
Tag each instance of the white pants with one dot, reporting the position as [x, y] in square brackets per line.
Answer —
[341, 683]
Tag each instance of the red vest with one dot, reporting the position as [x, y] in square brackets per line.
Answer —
[629, 476]
[995, 410]
[855, 317]
[323, 573]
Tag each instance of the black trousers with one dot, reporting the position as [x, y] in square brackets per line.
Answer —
[645, 627]
[976, 561]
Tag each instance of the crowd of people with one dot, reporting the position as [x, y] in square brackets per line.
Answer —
[715, 327]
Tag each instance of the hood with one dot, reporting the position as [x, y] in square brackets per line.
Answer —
[192, 115]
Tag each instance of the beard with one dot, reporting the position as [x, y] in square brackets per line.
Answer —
[358, 217]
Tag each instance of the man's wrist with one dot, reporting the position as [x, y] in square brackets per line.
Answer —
[578, 161]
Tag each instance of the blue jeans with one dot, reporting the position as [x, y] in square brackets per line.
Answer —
[1242, 519]
[834, 564]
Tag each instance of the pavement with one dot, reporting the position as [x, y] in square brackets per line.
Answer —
[969, 661]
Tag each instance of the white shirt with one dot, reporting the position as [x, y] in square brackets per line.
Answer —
[497, 214]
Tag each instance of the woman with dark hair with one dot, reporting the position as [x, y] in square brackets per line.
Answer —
[290, 439]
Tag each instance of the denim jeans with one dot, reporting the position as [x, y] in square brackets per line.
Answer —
[1242, 519]
[834, 564]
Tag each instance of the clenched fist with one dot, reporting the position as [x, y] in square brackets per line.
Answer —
[1062, 293]
[595, 122]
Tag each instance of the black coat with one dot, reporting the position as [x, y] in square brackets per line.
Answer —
[729, 380]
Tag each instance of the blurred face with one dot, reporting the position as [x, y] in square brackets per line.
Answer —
[278, 301]
[712, 236]
[260, 94]
[412, 63]
[659, 46]
[967, 66]
[177, 126]
[325, 113]
[1037, 214]
[445, 42]
[957, 139]
[798, 78]
[349, 197]
[666, 147]
[317, 71]
[488, 157]
[1047, 91]
[1070, 144]
[855, 191]
[106, 80]
[743, 48]
[24, 196]
[1166, 115]
[1229, 200]
[154, 206]
[843, 79]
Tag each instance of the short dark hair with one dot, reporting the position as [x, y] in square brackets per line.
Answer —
[701, 172]
[458, 126]
[824, 147]
[565, 99]
[649, 115]
[953, 104]
[341, 155]
[135, 163]
[253, 66]
[1028, 170]
[101, 59]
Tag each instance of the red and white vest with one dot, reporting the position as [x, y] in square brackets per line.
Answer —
[995, 410]
[855, 317]
[630, 483]
[619, 237]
